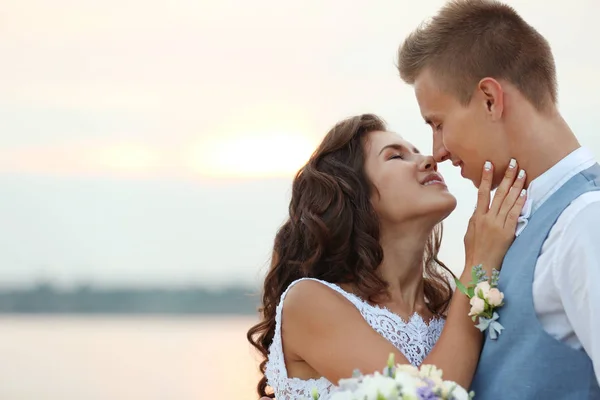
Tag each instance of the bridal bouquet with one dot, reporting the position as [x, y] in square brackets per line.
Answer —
[400, 382]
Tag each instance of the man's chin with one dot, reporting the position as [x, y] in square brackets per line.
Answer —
[474, 178]
[475, 181]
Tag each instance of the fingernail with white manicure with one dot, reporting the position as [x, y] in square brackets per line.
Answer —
[521, 174]
[523, 192]
[487, 165]
[513, 163]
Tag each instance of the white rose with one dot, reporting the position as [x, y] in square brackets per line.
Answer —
[349, 384]
[343, 395]
[495, 297]
[407, 384]
[407, 369]
[457, 391]
[374, 385]
[483, 287]
[477, 306]
[430, 371]
[433, 373]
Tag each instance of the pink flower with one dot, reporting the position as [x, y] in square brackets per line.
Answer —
[495, 297]
[477, 306]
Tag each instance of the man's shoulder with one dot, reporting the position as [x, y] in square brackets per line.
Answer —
[583, 211]
[577, 224]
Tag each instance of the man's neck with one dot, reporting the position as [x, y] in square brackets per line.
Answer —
[540, 142]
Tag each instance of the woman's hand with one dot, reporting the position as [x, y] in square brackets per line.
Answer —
[492, 227]
[491, 232]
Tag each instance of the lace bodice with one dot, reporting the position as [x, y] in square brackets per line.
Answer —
[413, 338]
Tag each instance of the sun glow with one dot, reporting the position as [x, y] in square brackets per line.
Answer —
[248, 156]
[253, 155]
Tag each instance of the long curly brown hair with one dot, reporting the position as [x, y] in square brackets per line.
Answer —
[332, 232]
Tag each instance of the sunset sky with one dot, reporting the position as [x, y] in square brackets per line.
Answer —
[146, 142]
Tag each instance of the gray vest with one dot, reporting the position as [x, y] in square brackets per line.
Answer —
[525, 362]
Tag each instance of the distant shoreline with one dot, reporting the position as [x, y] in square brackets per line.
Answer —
[85, 300]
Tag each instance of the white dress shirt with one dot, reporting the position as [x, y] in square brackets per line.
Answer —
[566, 285]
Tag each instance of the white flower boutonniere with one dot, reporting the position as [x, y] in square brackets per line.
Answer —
[486, 298]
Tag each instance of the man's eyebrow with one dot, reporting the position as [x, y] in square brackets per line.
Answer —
[429, 119]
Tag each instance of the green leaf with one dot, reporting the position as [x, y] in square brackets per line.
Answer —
[474, 277]
[391, 361]
[461, 287]
[315, 394]
[471, 292]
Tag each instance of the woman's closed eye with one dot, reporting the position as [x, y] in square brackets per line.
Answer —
[396, 156]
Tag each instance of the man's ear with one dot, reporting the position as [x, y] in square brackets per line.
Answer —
[491, 93]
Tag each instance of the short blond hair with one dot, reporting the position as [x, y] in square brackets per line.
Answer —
[469, 40]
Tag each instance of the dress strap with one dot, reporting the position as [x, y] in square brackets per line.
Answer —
[277, 346]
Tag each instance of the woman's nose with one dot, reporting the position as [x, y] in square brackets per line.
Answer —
[429, 163]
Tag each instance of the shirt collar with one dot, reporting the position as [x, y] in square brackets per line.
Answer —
[542, 187]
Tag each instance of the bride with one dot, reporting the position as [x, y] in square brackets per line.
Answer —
[355, 275]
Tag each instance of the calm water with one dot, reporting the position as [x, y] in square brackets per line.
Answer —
[129, 358]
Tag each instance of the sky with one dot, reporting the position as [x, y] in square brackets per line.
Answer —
[147, 143]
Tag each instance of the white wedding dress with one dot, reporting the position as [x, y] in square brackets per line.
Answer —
[414, 339]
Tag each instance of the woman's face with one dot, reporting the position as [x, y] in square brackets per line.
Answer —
[406, 183]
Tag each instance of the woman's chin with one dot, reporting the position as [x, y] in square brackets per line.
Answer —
[443, 208]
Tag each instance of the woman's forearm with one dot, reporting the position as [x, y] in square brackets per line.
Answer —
[458, 348]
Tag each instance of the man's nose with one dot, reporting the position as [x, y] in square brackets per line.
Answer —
[440, 153]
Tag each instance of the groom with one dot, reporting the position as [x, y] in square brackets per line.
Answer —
[485, 82]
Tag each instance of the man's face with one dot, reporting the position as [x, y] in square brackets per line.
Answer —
[465, 135]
